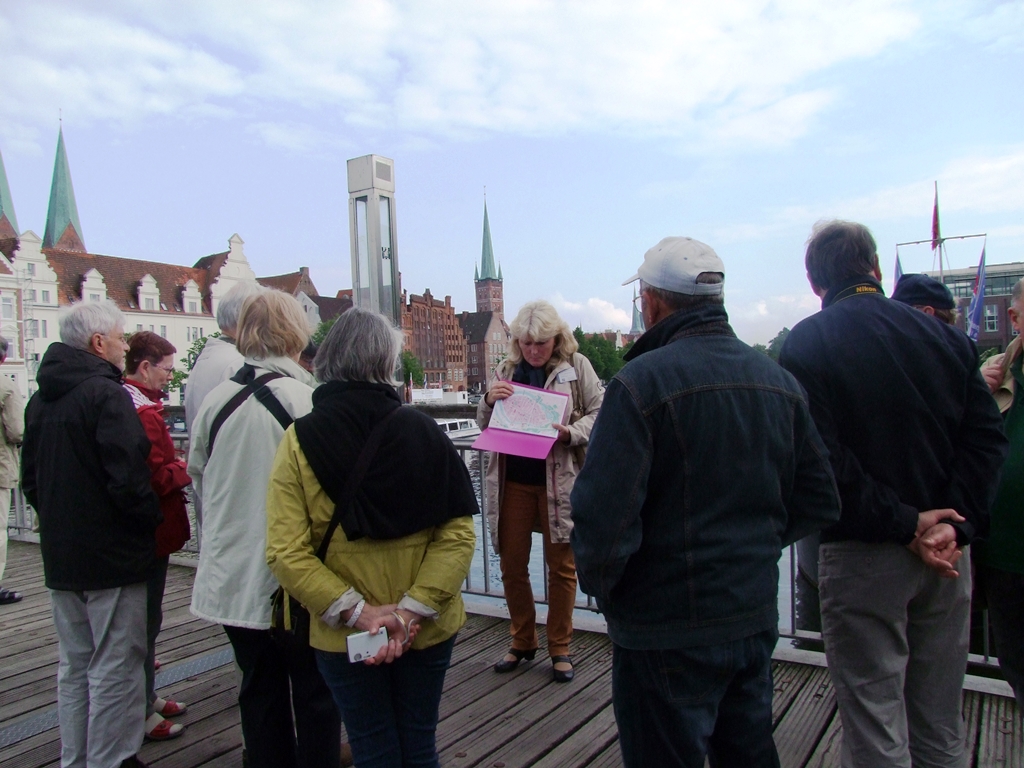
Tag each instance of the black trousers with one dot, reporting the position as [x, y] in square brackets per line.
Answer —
[278, 678]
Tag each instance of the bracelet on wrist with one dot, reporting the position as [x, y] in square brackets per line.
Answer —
[405, 628]
[356, 613]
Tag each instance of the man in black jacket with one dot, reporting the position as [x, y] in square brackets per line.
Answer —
[703, 464]
[916, 444]
[84, 471]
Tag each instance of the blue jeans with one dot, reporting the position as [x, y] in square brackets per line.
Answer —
[390, 711]
[673, 707]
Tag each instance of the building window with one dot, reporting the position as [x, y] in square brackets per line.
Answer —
[31, 329]
[138, 327]
[163, 331]
[150, 304]
[476, 371]
[44, 330]
[30, 268]
[30, 295]
[991, 319]
[151, 329]
[94, 297]
[46, 297]
[7, 308]
[192, 307]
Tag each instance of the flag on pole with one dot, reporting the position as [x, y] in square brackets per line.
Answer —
[974, 312]
[898, 271]
[936, 232]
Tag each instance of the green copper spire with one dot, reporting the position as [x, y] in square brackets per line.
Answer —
[8, 221]
[638, 318]
[63, 230]
[487, 259]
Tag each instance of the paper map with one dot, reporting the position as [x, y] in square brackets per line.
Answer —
[530, 410]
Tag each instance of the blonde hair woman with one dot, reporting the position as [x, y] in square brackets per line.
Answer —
[234, 441]
[527, 494]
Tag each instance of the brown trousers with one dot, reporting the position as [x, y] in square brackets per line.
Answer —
[522, 508]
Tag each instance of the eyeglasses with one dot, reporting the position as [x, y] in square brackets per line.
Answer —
[165, 370]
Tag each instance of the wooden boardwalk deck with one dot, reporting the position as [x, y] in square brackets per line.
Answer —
[520, 719]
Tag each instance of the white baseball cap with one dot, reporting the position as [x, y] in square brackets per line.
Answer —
[674, 265]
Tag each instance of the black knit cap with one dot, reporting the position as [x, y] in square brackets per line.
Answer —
[923, 291]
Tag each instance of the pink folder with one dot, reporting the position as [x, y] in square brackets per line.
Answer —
[524, 444]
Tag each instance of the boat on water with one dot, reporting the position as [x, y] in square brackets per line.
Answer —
[458, 428]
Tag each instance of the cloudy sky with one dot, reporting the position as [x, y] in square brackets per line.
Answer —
[596, 127]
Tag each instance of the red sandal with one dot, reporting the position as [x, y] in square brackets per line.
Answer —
[169, 707]
[162, 730]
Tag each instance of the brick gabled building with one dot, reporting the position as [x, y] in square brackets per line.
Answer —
[434, 336]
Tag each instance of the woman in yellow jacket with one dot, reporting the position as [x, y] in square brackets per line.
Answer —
[402, 550]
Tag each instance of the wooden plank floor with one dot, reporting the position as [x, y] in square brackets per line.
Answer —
[519, 719]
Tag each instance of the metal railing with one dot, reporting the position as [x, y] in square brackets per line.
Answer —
[797, 595]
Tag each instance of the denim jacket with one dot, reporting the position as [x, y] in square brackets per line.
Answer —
[704, 462]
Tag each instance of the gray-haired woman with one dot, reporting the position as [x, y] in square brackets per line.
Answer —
[399, 557]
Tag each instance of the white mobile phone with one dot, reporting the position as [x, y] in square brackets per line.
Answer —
[363, 645]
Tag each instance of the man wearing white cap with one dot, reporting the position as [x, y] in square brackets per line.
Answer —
[703, 464]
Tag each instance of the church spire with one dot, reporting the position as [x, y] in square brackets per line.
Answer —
[63, 230]
[8, 221]
[638, 318]
[487, 256]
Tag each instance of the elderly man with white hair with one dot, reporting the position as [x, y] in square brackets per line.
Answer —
[84, 470]
[219, 359]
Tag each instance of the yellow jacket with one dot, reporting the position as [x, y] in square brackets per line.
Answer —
[429, 566]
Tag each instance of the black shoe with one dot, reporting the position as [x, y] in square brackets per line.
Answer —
[507, 666]
[8, 596]
[562, 676]
[133, 762]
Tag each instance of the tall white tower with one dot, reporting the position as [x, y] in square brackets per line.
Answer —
[374, 235]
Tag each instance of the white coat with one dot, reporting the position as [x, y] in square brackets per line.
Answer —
[218, 362]
[233, 584]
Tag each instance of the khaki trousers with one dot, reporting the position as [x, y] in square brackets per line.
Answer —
[523, 507]
[896, 638]
[5, 510]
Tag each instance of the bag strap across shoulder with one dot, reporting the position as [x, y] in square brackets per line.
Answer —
[355, 478]
[253, 386]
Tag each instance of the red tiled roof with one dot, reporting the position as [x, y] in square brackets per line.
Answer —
[331, 308]
[287, 283]
[122, 277]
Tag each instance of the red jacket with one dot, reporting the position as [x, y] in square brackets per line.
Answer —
[169, 477]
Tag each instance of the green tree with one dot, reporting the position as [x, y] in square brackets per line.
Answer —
[775, 345]
[411, 368]
[321, 331]
[760, 348]
[601, 352]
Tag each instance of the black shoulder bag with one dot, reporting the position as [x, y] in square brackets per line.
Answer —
[289, 619]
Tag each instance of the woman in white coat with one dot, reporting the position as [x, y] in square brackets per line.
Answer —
[234, 441]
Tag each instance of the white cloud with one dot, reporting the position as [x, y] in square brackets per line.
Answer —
[978, 183]
[757, 321]
[593, 315]
[295, 137]
[706, 73]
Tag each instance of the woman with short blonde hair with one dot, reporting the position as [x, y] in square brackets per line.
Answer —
[540, 320]
[271, 324]
[288, 716]
[523, 493]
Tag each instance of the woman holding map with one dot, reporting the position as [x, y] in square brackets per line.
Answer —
[526, 494]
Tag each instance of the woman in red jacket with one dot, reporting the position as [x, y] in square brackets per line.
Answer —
[149, 365]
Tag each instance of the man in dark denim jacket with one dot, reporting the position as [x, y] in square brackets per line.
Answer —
[916, 443]
[703, 464]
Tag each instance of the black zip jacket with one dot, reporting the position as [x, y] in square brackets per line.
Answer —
[84, 470]
[907, 418]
